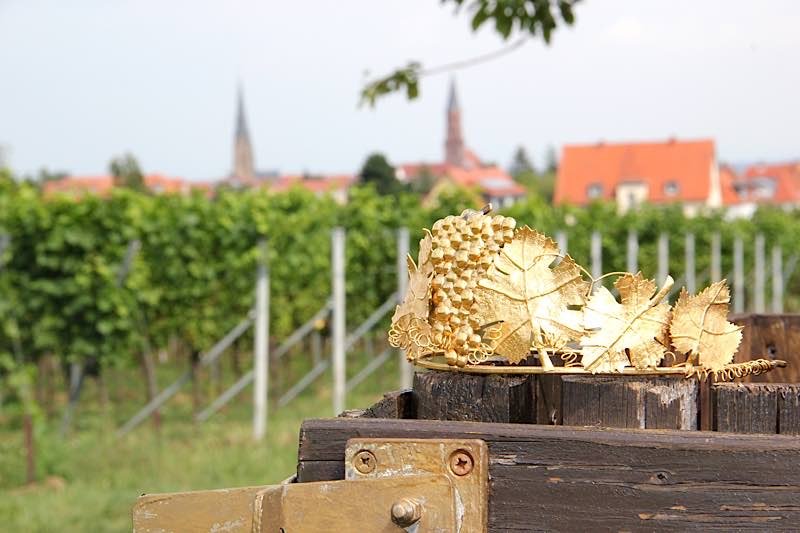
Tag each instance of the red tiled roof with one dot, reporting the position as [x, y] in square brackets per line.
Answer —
[319, 184]
[687, 163]
[490, 179]
[409, 171]
[727, 179]
[102, 185]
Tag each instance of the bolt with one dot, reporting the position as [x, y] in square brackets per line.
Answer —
[406, 512]
[365, 461]
[461, 462]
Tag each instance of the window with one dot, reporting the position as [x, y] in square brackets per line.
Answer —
[594, 191]
[671, 188]
[764, 187]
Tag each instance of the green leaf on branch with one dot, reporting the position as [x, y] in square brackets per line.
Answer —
[406, 78]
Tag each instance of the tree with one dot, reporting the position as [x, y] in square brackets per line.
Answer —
[7, 182]
[379, 172]
[541, 183]
[45, 176]
[126, 172]
[521, 163]
[527, 18]
[551, 160]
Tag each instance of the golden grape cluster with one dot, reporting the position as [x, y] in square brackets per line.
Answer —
[463, 248]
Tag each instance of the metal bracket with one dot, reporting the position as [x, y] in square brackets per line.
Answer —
[390, 485]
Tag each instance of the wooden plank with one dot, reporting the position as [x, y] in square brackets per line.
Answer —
[789, 409]
[746, 407]
[770, 337]
[652, 402]
[744, 353]
[560, 478]
[471, 397]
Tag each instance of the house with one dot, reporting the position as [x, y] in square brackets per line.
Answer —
[670, 171]
[776, 184]
[462, 167]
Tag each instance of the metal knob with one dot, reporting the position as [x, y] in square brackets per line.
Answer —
[406, 512]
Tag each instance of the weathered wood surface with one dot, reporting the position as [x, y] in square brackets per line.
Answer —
[757, 408]
[396, 404]
[642, 402]
[560, 478]
[658, 402]
[473, 397]
[770, 337]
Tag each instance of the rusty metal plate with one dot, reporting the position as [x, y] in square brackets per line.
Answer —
[357, 506]
[229, 510]
[390, 485]
[464, 462]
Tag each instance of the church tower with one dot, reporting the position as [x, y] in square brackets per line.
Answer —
[454, 144]
[243, 168]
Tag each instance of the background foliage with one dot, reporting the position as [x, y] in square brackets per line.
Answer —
[62, 293]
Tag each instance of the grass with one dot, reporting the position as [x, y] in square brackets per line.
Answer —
[89, 480]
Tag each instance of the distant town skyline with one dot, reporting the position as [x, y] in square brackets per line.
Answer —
[92, 80]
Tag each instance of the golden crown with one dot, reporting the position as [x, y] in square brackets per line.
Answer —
[485, 296]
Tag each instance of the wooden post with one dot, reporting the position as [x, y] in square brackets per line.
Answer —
[738, 275]
[30, 448]
[716, 259]
[597, 254]
[472, 397]
[689, 264]
[758, 285]
[261, 352]
[663, 257]
[643, 402]
[316, 347]
[339, 310]
[406, 368]
[789, 409]
[632, 262]
[777, 279]
[753, 408]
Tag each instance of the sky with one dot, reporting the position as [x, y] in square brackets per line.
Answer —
[84, 80]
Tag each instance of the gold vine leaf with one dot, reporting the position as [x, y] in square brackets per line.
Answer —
[417, 298]
[531, 299]
[410, 328]
[700, 326]
[637, 325]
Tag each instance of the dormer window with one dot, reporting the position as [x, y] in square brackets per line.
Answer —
[594, 191]
[671, 188]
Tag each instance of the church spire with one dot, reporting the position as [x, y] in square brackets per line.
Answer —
[452, 103]
[454, 143]
[243, 167]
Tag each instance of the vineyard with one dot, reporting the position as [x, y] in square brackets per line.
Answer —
[132, 280]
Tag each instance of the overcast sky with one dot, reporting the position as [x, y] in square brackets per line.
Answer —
[82, 80]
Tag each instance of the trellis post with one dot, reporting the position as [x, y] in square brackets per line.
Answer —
[339, 310]
[261, 351]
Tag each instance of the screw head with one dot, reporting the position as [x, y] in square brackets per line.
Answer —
[461, 462]
[365, 461]
[406, 512]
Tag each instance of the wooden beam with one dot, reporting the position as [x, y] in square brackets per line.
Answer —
[567, 479]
